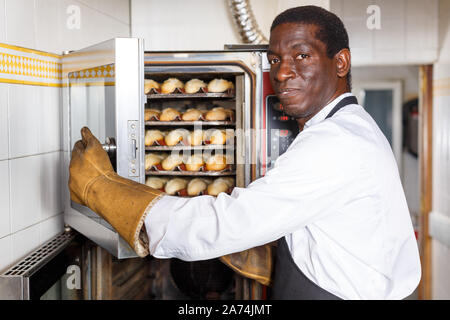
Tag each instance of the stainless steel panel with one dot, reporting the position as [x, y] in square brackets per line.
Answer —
[104, 88]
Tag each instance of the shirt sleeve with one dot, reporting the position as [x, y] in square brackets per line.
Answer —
[306, 184]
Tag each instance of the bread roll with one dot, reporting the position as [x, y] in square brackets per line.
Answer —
[220, 185]
[170, 85]
[156, 182]
[175, 136]
[153, 159]
[216, 162]
[194, 85]
[152, 136]
[214, 136]
[191, 115]
[195, 138]
[151, 114]
[171, 162]
[169, 114]
[196, 186]
[216, 114]
[174, 185]
[150, 84]
[219, 85]
[194, 162]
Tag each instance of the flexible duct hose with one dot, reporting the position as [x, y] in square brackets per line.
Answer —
[246, 22]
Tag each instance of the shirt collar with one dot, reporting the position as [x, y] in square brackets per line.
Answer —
[322, 114]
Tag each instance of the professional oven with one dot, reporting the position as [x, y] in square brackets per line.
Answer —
[109, 88]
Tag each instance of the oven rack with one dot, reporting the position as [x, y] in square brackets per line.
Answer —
[205, 147]
[190, 123]
[190, 173]
[213, 95]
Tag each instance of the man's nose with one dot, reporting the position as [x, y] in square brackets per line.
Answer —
[285, 71]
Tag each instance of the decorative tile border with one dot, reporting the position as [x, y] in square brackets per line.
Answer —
[32, 67]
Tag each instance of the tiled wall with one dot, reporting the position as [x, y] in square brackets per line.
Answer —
[31, 178]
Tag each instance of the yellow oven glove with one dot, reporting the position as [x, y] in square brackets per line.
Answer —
[255, 263]
[122, 202]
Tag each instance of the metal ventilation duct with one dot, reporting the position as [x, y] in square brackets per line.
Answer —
[246, 22]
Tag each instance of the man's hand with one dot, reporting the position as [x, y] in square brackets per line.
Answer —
[122, 202]
[89, 161]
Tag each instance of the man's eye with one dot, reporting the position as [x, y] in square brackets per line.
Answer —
[302, 56]
[274, 60]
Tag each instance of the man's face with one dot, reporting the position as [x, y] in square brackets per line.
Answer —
[302, 75]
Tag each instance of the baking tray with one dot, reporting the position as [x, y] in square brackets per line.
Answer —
[190, 123]
[190, 173]
[203, 147]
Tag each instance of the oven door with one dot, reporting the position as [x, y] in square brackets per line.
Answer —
[103, 90]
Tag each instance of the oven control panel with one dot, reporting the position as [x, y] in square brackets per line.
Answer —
[281, 129]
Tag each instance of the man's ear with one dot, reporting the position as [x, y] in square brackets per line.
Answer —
[343, 59]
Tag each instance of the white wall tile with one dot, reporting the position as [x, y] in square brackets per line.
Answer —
[24, 117]
[95, 27]
[49, 15]
[5, 221]
[50, 119]
[6, 259]
[117, 9]
[25, 189]
[51, 227]
[4, 121]
[25, 241]
[2, 21]
[51, 193]
[20, 23]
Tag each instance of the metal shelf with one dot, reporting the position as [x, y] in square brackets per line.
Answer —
[205, 147]
[190, 173]
[213, 95]
[190, 123]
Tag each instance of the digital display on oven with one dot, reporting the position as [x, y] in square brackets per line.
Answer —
[281, 129]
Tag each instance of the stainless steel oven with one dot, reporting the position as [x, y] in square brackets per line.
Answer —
[104, 89]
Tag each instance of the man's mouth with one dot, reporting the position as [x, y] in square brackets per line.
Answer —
[287, 92]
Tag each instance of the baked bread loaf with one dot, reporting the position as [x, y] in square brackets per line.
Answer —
[216, 162]
[153, 136]
[194, 162]
[191, 115]
[219, 114]
[219, 85]
[153, 159]
[220, 185]
[156, 182]
[175, 136]
[169, 114]
[196, 186]
[194, 85]
[170, 85]
[195, 137]
[150, 84]
[171, 162]
[151, 114]
[175, 185]
[214, 136]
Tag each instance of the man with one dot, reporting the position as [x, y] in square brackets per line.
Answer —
[334, 198]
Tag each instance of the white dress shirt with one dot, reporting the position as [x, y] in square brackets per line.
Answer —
[335, 195]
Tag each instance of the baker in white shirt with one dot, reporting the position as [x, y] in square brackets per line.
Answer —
[333, 200]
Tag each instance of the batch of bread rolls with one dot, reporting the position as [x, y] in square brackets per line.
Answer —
[174, 85]
[184, 137]
[191, 114]
[191, 187]
[193, 163]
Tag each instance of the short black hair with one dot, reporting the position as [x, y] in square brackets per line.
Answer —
[331, 31]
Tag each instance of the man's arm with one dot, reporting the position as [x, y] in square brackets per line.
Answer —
[307, 183]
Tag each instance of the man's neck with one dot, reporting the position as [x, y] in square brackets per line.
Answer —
[301, 121]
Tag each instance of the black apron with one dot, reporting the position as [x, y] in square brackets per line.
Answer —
[289, 281]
